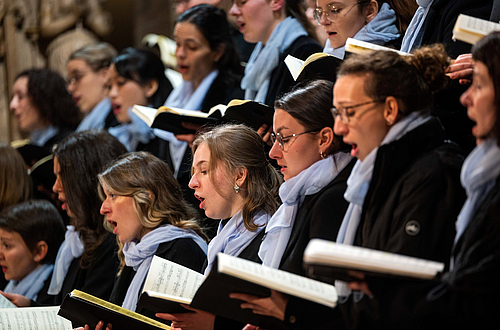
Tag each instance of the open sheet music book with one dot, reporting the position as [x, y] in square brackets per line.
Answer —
[316, 66]
[341, 258]
[360, 47]
[178, 284]
[33, 318]
[470, 29]
[82, 308]
[251, 113]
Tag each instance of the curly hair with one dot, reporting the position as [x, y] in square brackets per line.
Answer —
[157, 196]
[47, 90]
[412, 80]
[81, 157]
[238, 146]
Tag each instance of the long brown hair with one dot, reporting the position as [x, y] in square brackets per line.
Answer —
[156, 193]
[238, 146]
[15, 186]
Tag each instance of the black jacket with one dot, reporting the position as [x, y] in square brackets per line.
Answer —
[410, 208]
[183, 251]
[319, 216]
[96, 280]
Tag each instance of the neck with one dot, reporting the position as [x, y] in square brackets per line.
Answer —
[278, 18]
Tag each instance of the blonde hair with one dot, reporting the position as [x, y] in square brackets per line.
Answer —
[238, 146]
[157, 195]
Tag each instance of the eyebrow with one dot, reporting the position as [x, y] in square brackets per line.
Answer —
[281, 128]
[200, 163]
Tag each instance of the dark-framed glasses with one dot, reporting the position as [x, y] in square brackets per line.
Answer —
[285, 141]
[331, 12]
[346, 114]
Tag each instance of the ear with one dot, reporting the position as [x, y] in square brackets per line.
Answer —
[41, 250]
[326, 139]
[150, 88]
[219, 52]
[371, 11]
[241, 176]
[276, 5]
[391, 110]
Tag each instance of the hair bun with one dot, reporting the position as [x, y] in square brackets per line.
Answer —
[432, 61]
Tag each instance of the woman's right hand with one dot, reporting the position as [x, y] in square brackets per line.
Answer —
[265, 133]
[17, 299]
[461, 69]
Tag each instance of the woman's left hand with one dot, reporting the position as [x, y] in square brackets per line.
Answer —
[198, 320]
[274, 306]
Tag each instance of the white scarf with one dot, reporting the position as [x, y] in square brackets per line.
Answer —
[70, 249]
[379, 30]
[32, 283]
[97, 116]
[359, 182]
[292, 194]
[139, 256]
[479, 174]
[265, 58]
[233, 238]
[413, 35]
[184, 97]
[132, 133]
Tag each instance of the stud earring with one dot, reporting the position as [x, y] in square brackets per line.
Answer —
[323, 156]
[236, 188]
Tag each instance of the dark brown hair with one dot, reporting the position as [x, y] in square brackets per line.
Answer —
[15, 184]
[82, 156]
[311, 106]
[486, 51]
[238, 146]
[412, 80]
[35, 221]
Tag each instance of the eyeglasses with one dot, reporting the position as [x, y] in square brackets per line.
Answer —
[283, 141]
[76, 77]
[331, 12]
[345, 116]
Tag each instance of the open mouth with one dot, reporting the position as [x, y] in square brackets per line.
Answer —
[183, 68]
[354, 150]
[116, 108]
[201, 199]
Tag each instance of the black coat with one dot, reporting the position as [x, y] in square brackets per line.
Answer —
[415, 184]
[319, 216]
[281, 78]
[96, 280]
[183, 251]
[438, 28]
[466, 297]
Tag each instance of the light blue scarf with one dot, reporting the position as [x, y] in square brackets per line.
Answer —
[233, 238]
[97, 117]
[479, 174]
[40, 136]
[292, 194]
[359, 182]
[265, 58]
[133, 133]
[183, 97]
[139, 256]
[32, 283]
[379, 30]
[70, 249]
[414, 33]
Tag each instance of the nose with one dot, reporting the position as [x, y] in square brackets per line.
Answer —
[57, 187]
[276, 152]
[105, 208]
[234, 11]
[339, 127]
[466, 99]
[323, 20]
[71, 86]
[180, 52]
[193, 183]
[13, 103]
[113, 92]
